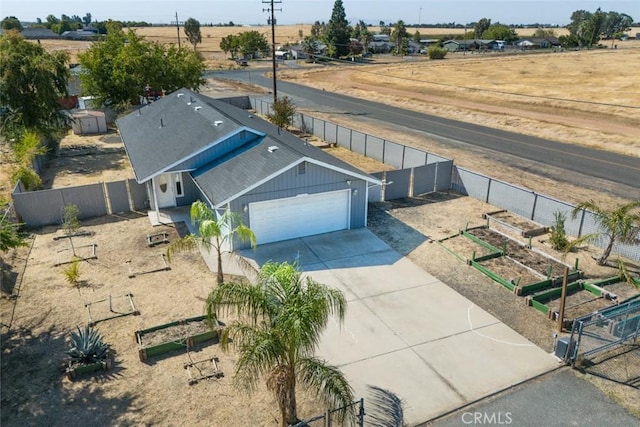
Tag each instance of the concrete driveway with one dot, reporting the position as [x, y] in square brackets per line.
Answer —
[405, 332]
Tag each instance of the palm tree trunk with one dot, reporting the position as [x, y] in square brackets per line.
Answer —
[220, 276]
[605, 255]
[292, 410]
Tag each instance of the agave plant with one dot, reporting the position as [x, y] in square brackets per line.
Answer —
[87, 347]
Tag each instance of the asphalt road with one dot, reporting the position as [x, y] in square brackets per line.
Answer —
[612, 167]
[556, 399]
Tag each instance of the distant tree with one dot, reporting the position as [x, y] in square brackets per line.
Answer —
[481, 26]
[620, 224]
[318, 29]
[385, 29]
[309, 45]
[51, 19]
[192, 30]
[398, 36]
[62, 26]
[251, 42]
[417, 36]
[11, 23]
[300, 34]
[117, 69]
[587, 27]
[499, 31]
[615, 23]
[338, 31]
[32, 81]
[229, 44]
[542, 32]
[283, 112]
[87, 19]
[365, 35]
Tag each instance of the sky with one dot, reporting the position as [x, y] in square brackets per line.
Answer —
[250, 12]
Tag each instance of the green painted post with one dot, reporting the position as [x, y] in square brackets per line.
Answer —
[576, 265]
[504, 247]
[466, 226]
[473, 256]
[530, 245]
[549, 270]
[488, 221]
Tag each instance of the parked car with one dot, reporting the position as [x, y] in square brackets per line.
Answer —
[242, 62]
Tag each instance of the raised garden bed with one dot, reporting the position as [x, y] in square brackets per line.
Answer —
[521, 253]
[175, 336]
[465, 248]
[74, 371]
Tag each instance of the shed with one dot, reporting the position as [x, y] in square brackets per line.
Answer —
[86, 122]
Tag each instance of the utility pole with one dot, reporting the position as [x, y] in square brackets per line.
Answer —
[177, 28]
[272, 21]
[420, 16]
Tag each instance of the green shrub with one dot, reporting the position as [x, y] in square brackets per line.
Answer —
[558, 237]
[436, 52]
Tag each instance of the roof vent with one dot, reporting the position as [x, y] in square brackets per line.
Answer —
[191, 100]
[180, 95]
[198, 108]
[161, 123]
[272, 148]
[217, 123]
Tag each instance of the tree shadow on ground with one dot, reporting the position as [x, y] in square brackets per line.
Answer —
[35, 391]
[384, 408]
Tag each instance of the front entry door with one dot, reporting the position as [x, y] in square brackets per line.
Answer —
[164, 186]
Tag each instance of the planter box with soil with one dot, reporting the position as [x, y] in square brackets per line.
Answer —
[175, 336]
[74, 371]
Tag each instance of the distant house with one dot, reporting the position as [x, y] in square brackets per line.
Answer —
[538, 42]
[187, 146]
[80, 35]
[461, 45]
[31, 33]
[380, 43]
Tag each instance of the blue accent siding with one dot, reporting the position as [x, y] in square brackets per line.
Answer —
[216, 151]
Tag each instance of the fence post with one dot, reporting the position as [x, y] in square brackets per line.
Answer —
[404, 148]
[361, 413]
[581, 223]
[488, 191]
[535, 202]
[350, 138]
[384, 149]
[328, 417]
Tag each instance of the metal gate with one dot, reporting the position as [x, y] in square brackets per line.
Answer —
[603, 330]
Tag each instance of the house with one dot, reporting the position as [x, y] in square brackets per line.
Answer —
[538, 42]
[461, 45]
[186, 147]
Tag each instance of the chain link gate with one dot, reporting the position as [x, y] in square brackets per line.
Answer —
[598, 336]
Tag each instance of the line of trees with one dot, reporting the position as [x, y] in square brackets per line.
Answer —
[246, 43]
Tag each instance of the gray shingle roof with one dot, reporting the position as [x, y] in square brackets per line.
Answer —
[186, 131]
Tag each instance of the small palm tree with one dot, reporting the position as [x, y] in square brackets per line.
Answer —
[618, 224]
[213, 232]
[281, 318]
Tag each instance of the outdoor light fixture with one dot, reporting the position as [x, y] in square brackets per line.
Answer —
[354, 192]
[348, 182]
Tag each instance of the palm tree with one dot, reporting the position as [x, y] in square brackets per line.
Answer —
[619, 224]
[280, 320]
[213, 232]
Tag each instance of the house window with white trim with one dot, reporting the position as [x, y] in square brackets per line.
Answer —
[302, 168]
[179, 192]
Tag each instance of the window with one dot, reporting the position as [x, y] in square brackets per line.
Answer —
[179, 192]
[302, 168]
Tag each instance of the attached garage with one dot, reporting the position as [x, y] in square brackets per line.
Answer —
[303, 215]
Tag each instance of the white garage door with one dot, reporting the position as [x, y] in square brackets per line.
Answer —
[304, 215]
